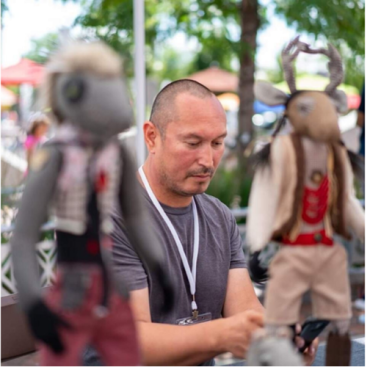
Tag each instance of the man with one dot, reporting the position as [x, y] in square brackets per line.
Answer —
[185, 141]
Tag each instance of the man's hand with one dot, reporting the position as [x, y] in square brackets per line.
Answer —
[235, 333]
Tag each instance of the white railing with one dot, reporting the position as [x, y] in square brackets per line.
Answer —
[46, 257]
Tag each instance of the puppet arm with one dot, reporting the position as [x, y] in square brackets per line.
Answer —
[139, 229]
[265, 196]
[354, 213]
[32, 213]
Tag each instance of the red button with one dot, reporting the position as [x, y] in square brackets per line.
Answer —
[93, 247]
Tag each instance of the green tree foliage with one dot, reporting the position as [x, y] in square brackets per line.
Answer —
[42, 48]
[217, 25]
[340, 22]
[214, 24]
[337, 21]
[4, 6]
[4, 9]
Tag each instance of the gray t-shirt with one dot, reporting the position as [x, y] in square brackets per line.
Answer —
[220, 249]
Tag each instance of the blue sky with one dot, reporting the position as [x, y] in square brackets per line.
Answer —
[35, 18]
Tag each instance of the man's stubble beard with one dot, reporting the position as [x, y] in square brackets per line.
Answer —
[171, 186]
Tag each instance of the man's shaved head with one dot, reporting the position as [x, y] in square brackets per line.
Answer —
[164, 106]
[185, 141]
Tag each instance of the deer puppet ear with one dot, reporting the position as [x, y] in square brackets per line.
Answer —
[339, 99]
[268, 94]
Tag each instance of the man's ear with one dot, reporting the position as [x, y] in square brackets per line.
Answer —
[151, 136]
[268, 94]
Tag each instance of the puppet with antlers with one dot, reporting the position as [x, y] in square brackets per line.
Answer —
[83, 172]
[302, 194]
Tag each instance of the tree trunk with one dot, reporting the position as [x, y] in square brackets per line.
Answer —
[249, 25]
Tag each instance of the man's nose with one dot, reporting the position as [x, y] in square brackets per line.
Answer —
[206, 156]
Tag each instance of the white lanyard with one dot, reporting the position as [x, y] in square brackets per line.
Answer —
[190, 274]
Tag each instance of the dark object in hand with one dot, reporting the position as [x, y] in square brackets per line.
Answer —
[258, 273]
[311, 329]
[44, 325]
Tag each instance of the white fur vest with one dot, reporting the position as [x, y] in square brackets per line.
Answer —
[84, 170]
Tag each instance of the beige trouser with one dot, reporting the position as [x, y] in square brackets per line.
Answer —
[297, 269]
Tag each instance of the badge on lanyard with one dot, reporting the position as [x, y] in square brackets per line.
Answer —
[195, 319]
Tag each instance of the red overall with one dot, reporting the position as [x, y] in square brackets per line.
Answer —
[113, 336]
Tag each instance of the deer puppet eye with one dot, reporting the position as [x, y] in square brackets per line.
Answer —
[305, 105]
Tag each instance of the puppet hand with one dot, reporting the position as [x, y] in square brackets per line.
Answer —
[44, 325]
[168, 290]
[258, 273]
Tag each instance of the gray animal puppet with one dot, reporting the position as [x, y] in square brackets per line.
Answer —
[275, 349]
[82, 173]
[303, 193]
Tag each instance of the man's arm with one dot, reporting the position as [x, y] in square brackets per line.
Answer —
[240, 295]
[167, 345]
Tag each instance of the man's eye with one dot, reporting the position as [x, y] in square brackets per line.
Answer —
[218, 143]
[193, 144]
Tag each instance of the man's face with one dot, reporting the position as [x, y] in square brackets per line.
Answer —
[189, 154]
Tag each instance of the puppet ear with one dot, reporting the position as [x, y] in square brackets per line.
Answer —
[268, 94]
[339, 99]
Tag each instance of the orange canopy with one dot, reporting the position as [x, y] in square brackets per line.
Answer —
[216, 79]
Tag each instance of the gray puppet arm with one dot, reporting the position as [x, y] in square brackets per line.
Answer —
[138, 223]
[139, 229]
[31, 215]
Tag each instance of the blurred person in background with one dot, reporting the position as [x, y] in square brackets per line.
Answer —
[36, 135]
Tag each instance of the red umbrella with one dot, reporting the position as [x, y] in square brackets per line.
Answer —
[25, 72]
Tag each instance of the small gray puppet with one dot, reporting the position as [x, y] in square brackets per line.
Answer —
[81, 175]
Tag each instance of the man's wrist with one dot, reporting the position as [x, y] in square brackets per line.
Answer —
[220, 335]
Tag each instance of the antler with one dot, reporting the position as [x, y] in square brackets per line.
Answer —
[335, 63]
[335, 67]
[288, 58]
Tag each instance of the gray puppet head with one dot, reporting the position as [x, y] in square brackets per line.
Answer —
[311, 113]
[273, 349]
[84, 86]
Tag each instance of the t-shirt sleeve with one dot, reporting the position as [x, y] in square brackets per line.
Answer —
[237, 259]
[126, 263]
